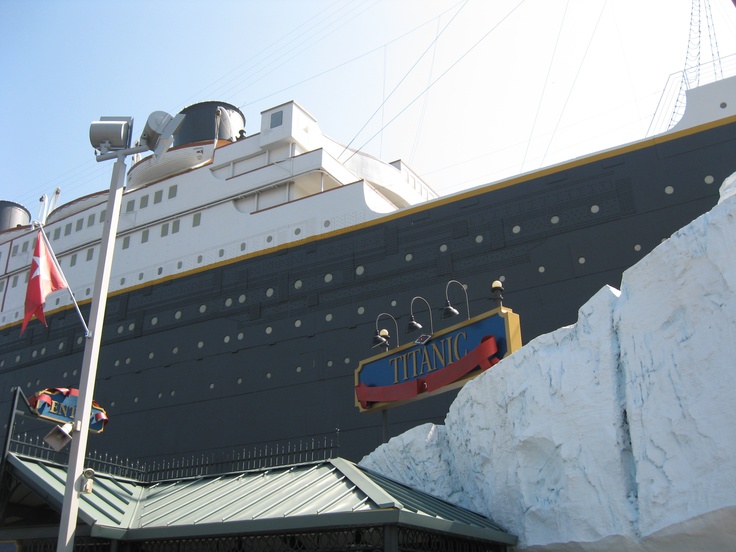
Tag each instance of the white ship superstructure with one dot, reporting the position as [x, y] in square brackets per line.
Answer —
[214, 200]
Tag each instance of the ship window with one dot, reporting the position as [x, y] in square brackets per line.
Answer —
[158, 196]
[144, 236]
[594, 209]
[144, 202]
[581, 260]
[277, 119]
[221, 253]
[2, 285]
[90, 254]
[516, 229]
[15, 250]
[242, 246]
[90, 220]
[80, 224]
[25, 247]
[73, 260]
[103, 215]
[172, 191]
[57, 233]
[555, 219]
[196, 219]
[165, 229]
[126, 242]
[359, 270]
[15, 281]
[130, 206]
[328, 278]
[68, 229]
[199, 259]
[175, 227]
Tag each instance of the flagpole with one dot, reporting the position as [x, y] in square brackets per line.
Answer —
[70, 507]
[68, 287]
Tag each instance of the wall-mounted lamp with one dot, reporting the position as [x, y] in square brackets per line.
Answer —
[59, 437]
[497, 292]
[413, 324]
[449, 311]
[382, 336]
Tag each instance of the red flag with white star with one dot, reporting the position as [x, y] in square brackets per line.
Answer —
[44, 278]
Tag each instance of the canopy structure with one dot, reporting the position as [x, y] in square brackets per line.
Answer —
[323, 505]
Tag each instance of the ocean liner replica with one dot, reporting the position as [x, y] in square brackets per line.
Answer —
[250, 272]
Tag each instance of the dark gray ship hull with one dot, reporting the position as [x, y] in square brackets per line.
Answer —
[262, 350]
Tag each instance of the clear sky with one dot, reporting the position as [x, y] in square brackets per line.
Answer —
[465, 92]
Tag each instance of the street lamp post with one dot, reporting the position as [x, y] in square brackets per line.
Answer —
[111, 137]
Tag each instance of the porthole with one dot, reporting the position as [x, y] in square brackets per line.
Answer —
[637, 247]
[669, 190]
[122, 281]
[541, 269]
[228, 302]
[127, 360]
[723, 105]
[179, 265]
[326, 224]
[88, 291]
[408, 257]
[140, 276]
[328, 317]
[120, 329]
[393, 303]
[221, 253]
[135, 400]
[212, 385]
[80, 339]
[269, 292]
[581, 260]
[160, 395]
[172, 393]
[329, 363]
[241, 335]
[443, 248]
[175, 350]
[226, 339]
[268, 375]
[555, 219]
[361, 310]
[202, 309]
[298, 284]
[61, 346]
[160, 271]
[297, 231]
[154, 321]
[269, 330]
[594, 209]
[131, 326]
[516, 229]
[242, 246]
[199, 259]
[478, 239]
[241, 299]
[43, 351]
[150, 355]
[177, 315]
[74, 372]
[298, 369]
[709, 179]
[269, 239]
[34, 354]
[297, 323]
[200, 344]
[239, 381]
[328, 278]
[347, 360]
[359, 270]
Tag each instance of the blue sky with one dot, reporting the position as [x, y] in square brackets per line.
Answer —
[465, 92]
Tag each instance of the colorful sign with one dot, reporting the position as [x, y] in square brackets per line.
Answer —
[437, 363]
[60, 405]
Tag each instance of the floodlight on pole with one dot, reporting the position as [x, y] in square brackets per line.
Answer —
[110, 137]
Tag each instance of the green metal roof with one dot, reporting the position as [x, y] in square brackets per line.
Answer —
[316, 495]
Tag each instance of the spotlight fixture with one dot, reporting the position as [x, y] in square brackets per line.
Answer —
[449, 311]
[413, 324]
[382, 336]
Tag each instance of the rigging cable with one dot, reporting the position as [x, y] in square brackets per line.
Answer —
[544, 88]
[577, 74]
[400, 82]
[407, 106]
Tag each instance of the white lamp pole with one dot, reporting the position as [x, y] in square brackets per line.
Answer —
[157, 134]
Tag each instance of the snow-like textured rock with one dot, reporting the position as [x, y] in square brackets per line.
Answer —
[616, 433]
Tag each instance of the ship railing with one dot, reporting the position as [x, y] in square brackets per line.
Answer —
[671, 106]
[160, 469]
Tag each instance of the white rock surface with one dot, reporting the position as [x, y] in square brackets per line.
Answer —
[616, 433]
